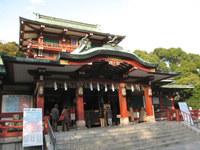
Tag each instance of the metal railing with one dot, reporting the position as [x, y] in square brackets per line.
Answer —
[190, 119]
[51, 133]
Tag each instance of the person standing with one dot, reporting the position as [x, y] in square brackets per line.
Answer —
[101, 115]
[55, 117]
[66, 121]
[109, 116]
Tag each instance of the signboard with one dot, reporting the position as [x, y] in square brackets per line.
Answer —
[72, 114]
[183, 107]
[15, 103]
[32, 127]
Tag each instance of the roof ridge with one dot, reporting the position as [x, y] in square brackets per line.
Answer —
[38, 16]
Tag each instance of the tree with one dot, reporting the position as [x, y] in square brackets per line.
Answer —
[11, 49]
[153, 58]
[175, 59]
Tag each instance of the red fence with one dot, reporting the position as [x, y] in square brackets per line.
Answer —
[176, 115]
[14, 129]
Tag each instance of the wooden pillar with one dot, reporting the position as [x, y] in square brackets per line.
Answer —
[149, 104]
[123, 106]
[178, 118]
[172, 101]
[80, 123]
[40, 103]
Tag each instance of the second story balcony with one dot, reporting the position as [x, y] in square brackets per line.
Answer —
[52, 47]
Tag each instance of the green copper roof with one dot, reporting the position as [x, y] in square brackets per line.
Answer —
[74, 28]
[168, 72]
[28, 60]
[169, 86]
[105, 51]
[67, 23]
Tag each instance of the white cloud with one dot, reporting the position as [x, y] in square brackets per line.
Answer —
[37, 1]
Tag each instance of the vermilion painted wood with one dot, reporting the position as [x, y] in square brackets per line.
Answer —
[122, 104]
[4, 115]
[40, 103]
[45, 124]
[79, 106]
[148, 100]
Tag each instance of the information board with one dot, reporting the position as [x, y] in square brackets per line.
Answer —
[15, 103]
[32, 127]
[184, 108]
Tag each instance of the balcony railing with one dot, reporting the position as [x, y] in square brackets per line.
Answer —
[52, 46]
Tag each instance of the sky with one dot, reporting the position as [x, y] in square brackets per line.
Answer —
[147, 24]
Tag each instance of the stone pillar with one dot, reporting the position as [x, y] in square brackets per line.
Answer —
[149, 104]
[80, 123]
[123, 107]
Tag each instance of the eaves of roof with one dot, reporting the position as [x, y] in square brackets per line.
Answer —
[173, 86]
[28, 60]
[105, 51]
[168, 72]
[73, 29]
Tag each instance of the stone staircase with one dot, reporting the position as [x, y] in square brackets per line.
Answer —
[140, 136]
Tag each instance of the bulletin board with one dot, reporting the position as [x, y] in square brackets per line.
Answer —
[15, 103]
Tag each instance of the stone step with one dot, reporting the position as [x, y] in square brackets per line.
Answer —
[134, 134]
[118, 128]
[120, 140]
[137, 145]
[140, 136]
[166, 144]
[116, 134]
[103, 132]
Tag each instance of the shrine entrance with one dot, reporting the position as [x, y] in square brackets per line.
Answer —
[60, 97]
[92, 100]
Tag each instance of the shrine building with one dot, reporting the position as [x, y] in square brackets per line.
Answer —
[75, 64]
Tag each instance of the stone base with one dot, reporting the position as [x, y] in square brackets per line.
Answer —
[80, 124]
[151, 119]
[124, 121]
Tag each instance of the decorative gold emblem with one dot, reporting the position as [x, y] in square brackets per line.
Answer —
[64, 62]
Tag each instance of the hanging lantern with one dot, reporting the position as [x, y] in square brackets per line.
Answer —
[113, 87]
[98, 87]
[149, 91]
[106, 88]
[80, 91]
[41, 90]
[123, 91]
[132, 88]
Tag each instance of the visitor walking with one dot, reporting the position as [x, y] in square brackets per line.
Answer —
[101, 115]
[109, 116]
[67, 120]
[55, 117]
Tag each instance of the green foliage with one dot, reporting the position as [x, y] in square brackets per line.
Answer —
[11, 49]
[194, 101]
[175, 59]
[153, 58]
